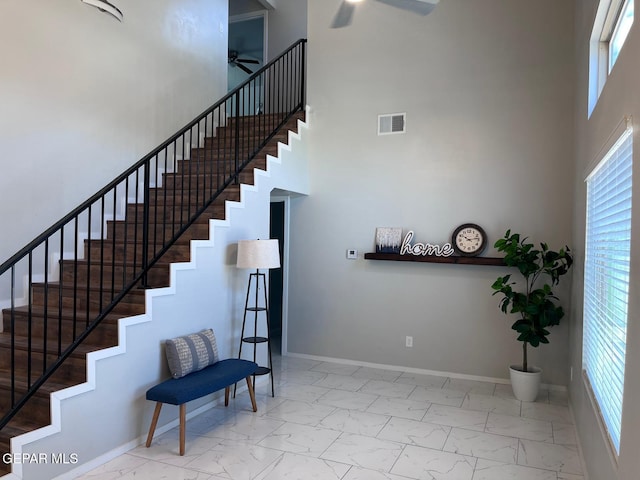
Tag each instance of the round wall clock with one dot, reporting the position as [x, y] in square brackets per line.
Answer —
[469, 240]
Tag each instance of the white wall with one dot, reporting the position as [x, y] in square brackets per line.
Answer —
[488, 91]
[84, 97]
[619, 98]
[287, 23]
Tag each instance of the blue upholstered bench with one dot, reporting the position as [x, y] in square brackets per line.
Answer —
[179, 391]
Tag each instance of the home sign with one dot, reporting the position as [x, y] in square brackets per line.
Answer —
[424, 249]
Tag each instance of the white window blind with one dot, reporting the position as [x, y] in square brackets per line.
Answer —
[606, 282]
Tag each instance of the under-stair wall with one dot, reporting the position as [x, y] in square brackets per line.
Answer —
[109, 415]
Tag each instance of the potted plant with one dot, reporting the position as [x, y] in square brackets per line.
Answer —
[535, 304]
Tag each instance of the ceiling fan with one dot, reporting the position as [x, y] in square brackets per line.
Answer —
[234, 60]
[105, 6]
[345, 13]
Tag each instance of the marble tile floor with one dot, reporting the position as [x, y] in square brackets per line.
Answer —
[337, 421]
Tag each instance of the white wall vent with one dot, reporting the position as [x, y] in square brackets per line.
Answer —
[392, 123]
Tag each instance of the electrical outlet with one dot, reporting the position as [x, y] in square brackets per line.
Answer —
[409, 342]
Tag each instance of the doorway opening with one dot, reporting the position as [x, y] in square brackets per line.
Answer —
[247, 47]
[277, 278]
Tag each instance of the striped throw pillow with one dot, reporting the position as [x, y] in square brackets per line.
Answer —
[191, 353]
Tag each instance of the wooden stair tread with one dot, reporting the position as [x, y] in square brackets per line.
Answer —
[67, 313]
[22, 343]
[21, 385]
[201, 220]
[117, 263]
[195, 175]
[13, 429]
[229, 191]
[83, 287]
[120, 242]
[182, 241]
[218, 153]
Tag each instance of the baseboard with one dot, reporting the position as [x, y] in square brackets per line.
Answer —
[436, 373]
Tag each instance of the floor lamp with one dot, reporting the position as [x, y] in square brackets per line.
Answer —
[258, 254]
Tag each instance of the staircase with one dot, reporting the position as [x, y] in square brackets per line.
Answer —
[71, 307]
[52, 309]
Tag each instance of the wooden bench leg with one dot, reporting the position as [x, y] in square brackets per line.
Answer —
[252, 394]
[226, 396]
[154, 422]
[183, 424]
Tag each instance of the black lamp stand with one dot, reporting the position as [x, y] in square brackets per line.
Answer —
[255, 339]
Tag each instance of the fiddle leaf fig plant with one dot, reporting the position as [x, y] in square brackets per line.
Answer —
[535, 304]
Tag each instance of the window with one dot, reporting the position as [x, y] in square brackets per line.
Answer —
[606, 281]
[613, 22]
[620, 32]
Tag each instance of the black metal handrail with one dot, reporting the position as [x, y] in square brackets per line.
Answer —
[137, 216]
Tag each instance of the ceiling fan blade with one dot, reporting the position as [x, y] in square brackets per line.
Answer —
[423, 7]
[344, 16]
[246, 60]
[244, 69]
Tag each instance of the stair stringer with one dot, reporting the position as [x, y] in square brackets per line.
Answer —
[108, 414]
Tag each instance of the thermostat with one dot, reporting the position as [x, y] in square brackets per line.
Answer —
[352, 254]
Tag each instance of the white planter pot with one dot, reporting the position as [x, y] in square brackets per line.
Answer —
[525, 384]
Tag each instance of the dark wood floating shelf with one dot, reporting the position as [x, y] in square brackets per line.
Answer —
[396, 257]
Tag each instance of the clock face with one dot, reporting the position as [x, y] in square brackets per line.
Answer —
[469, 239]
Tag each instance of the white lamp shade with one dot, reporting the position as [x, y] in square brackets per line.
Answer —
[258, 254]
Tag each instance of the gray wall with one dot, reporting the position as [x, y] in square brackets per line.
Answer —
[619, 98]
[488, 91]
